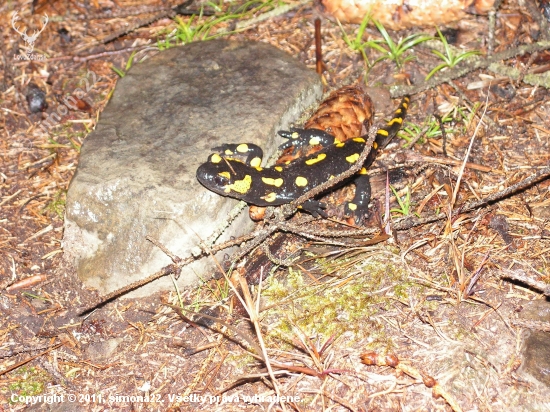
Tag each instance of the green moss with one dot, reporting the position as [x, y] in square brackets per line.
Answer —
[344, 305]
[241, 360]
[28, 381]
[277, 289]
[57, 204]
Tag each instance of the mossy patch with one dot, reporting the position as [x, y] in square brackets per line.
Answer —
[360, 287]
[27, 381]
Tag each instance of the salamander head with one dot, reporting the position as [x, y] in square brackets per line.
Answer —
[225, 177]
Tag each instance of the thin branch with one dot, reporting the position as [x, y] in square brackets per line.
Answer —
[522, 277]
[522, 185]
[469, 65]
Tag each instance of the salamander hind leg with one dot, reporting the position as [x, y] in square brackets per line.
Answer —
[315, 208]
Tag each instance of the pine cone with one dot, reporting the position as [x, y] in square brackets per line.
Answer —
[404, 14]
[342, 113]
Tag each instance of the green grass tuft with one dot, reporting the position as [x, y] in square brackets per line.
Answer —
[450, 59]
[395, 52]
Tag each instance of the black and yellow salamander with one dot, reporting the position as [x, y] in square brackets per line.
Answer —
[235, 170]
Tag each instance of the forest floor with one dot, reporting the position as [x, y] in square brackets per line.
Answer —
[430, 307]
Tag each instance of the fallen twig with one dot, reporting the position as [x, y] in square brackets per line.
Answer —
[413, 221]
[521, 276]
[29, 359]
[535, 13]
[475, 62]
[531, 324]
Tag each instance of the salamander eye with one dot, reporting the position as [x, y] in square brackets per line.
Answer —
[221, 179]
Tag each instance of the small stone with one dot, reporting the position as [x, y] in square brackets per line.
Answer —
[536, 344]
[36, 98]
[99, 352]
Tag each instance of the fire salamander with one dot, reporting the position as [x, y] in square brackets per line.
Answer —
[235, 170]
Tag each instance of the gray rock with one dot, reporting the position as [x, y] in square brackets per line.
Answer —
[536, 344]
[136, 174]
[102, 351]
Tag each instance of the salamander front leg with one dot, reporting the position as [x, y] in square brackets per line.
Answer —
[299, 138]
[248, 153]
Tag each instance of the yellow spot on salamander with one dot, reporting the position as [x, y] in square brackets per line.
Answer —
[353, 158]
[295, 135]
[242, 148]
[398, 111]
[228, 152]
[339, 144]
[375, 145]
[359, 140]
[383, 132]
[314, 160]
[241, 186]
[301, 181]
[225, 174]
[395, 120]
[331, 177]
[258, 168]
[216, 158]
[270, 197]
[272, 182]
[256, 162]
[363, 171]
[278, 168]
[352, 206]
[314, 141]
